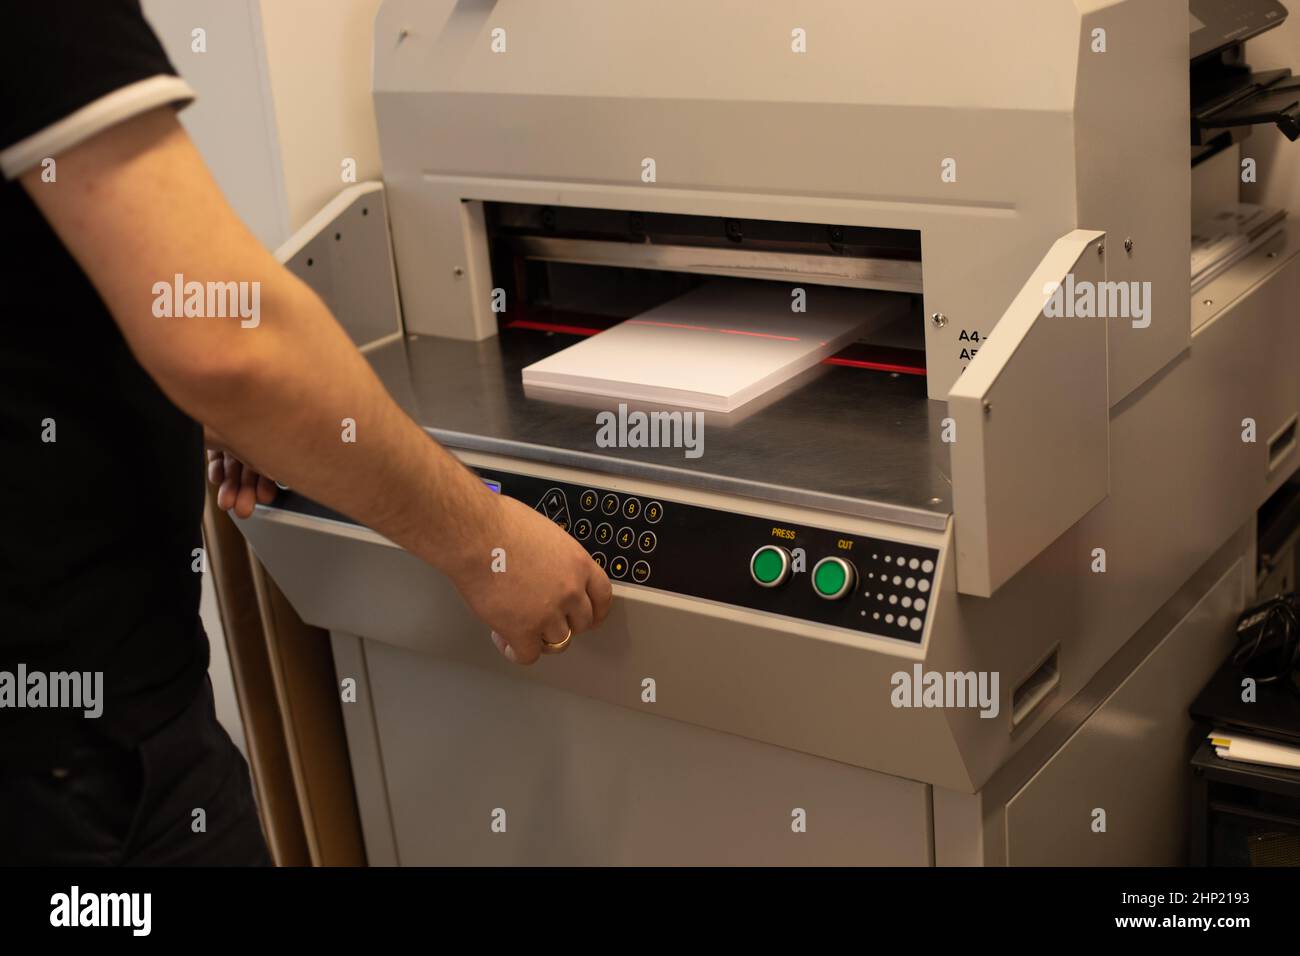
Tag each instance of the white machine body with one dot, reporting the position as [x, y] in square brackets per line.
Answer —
[1071, 489]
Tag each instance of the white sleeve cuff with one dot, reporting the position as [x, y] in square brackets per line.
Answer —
[93, 118]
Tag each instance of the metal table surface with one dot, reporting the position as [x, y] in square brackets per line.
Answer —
[842, 439]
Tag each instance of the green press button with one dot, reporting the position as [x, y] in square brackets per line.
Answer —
[769, 566]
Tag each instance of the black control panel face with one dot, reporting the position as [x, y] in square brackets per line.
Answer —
[844, 580]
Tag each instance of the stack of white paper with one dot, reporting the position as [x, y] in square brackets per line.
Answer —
[716, 347]
[1233, 746]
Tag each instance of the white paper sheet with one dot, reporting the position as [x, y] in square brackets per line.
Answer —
[1232, 746]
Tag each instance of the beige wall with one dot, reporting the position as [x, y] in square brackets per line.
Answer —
[232, 121]
[283, 97]
[318, 56]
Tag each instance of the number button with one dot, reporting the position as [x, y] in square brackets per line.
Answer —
[581, 529]
[647, 542]
[604, 532]
[588, 500]
[600, 559]
[631, 508]
[625, 538]
[653, 512]
[609, 504]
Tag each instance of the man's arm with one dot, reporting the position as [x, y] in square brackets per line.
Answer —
[136, 205]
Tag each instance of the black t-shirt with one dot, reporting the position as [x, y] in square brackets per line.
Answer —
[98, 526]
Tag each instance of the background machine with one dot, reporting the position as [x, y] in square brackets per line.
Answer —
[1057, 508]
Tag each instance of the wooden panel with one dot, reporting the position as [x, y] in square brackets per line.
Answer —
[268, 755]
[312, 724]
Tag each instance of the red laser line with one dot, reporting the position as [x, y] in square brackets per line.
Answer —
[551, 327]
[877, 366]
[706, 328]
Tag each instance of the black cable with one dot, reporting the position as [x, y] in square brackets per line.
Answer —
[1268, 641]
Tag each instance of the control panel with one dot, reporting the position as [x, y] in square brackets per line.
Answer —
[814, 574]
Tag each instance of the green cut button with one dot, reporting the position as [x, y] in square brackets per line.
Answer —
[829, 578]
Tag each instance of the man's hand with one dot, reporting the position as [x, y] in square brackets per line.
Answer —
[549, 586]
[240, 487]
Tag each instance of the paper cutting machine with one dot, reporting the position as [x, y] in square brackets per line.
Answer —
[1059, 508]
